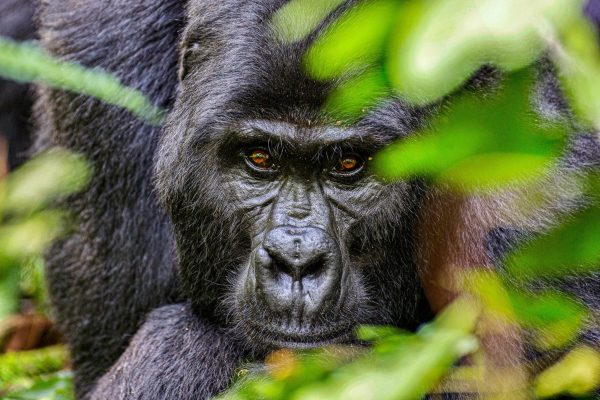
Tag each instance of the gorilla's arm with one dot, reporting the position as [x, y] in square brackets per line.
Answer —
[174, 356]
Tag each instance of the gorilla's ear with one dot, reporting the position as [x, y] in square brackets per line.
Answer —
[185, 51]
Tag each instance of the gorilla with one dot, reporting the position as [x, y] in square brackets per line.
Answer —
[251, 220]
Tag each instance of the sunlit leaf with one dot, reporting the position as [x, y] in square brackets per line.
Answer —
[376, 333]
[492, 170]
[298, 18]
[579, 62]
[58, 386]
[356, 40]
[480, 143]
[25, 62]
[439, 44]
[577, 374]
[571, 248]
[31, 363]
[31, 236]
[42, 180]
[354, 97]
[554, 317]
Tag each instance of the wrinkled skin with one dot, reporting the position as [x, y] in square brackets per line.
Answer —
[302, 206]
[251, 220]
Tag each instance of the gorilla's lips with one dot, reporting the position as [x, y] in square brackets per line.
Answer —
[275, 336]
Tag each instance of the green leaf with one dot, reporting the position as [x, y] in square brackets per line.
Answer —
[298, 18]
[376, 333]
[579, 62]
[33, 363]
[480, 143]
[554, 317]
[353, 98]
[493, 170]
[438, 45]
[577, 374]
[31, 236]
[355, 40]
[570, 248]
[54, 387]
[10, 292]
[27, 63]
[44, 179]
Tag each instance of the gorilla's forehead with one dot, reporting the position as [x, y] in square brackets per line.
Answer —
[242, 69]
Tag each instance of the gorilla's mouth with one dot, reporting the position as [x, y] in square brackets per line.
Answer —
[275, 336]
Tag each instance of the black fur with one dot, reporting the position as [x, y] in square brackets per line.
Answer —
[16, 22]
[123, 260]
[118, 264]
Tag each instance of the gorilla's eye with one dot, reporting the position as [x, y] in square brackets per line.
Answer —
[349, 164]
[260, 159]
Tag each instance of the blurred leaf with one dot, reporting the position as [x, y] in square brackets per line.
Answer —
[480, 143]
[31, 363]
[554, 317]
[30, 237]
[496, 169]
[42, 180]
[372, 333]
[33, 284]
[298, 18]
[578, 56]
[25, 62]
[354, 41]
[577, 374]
[54, 387]
[570, 248]
[354, 97]
[9, 291]
[438, 45]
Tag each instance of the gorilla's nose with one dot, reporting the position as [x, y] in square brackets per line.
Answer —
[298, 271]
[298, 252]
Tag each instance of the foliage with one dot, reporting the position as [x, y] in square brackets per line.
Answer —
[496, 145]
[27, 63]
[28, 225]
[57, 386]
[16, 366]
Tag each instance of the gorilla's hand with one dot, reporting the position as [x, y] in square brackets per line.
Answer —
[174, 355]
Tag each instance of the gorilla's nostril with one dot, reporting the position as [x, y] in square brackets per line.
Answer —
[262, 258]
[314, 268]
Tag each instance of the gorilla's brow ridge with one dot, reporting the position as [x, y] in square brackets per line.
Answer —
[305, 138]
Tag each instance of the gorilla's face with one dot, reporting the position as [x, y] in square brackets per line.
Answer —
[301, 193]
[283, 231]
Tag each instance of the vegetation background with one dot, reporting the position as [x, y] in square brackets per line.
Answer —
[421, 51]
